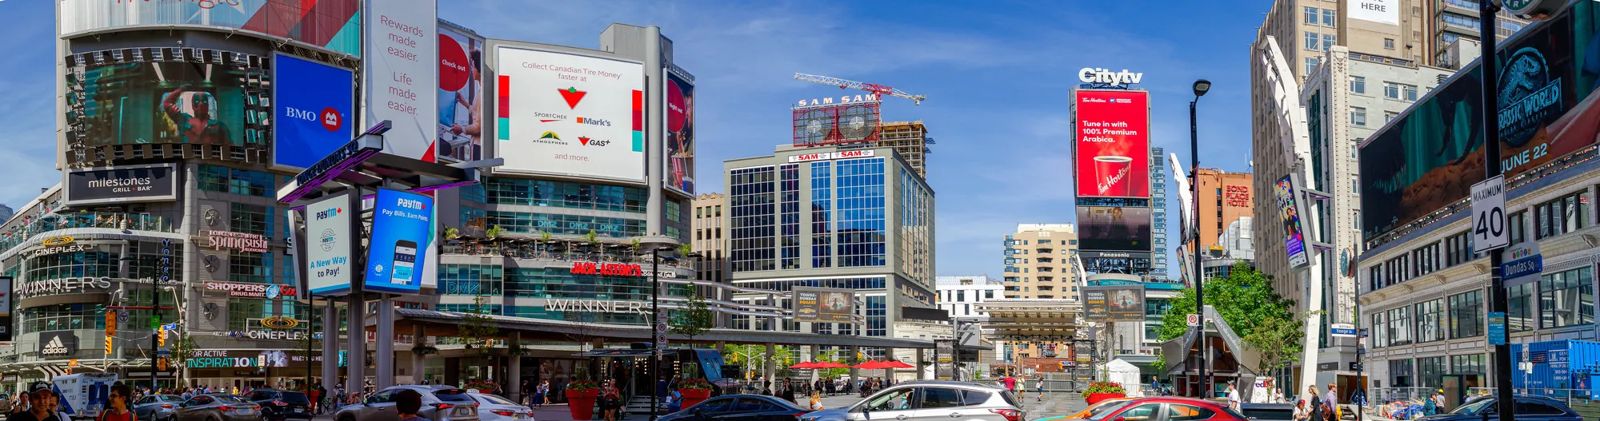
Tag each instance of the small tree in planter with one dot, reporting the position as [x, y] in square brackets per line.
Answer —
[694, 390]
[580, 399]
[1099, 391]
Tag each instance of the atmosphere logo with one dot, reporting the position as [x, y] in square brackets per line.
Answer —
[550, 135]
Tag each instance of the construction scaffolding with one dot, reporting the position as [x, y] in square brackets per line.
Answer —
[910, 139]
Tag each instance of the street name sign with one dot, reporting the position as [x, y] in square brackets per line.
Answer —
[1524, 264]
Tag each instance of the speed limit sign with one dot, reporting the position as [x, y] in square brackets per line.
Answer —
[1489, 215]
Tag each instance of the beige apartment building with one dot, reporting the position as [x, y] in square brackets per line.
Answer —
[1038, 261]
[708, 241]
[1418, 32]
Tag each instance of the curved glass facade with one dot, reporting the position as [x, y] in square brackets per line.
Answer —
[565, 194]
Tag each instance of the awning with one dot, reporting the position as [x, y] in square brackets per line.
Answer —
[444, 323]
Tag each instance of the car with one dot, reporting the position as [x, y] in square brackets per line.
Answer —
[930, 401]
[739, 408]
[1098, 407]
[439, 403]
[279, 405]
[1529, 408]
[217, 407]
[497, 408]
[1267, 411]
[156, 407]
[1168, 408]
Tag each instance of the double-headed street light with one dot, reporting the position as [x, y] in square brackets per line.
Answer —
[1200, 88]
[656, 244]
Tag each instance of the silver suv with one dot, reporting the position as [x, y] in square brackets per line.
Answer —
[930, 401]
[439, 403]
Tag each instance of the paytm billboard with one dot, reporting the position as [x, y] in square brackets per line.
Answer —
[1112, 151]
[328, 245]
[311, 106]
[334, 25]
[570, 115]
[402, 224]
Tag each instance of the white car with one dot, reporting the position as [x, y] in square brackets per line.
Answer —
[497, 408]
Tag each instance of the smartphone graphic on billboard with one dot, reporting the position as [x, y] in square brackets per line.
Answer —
[405, 259]
[402, 224]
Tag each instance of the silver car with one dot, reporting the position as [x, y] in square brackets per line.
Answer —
[439, 403]
[930, 401]
[497, 408]
[156, 407]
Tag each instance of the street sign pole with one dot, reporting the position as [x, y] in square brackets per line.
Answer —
[1487, 9]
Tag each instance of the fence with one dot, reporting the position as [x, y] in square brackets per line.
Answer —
[1406, 402]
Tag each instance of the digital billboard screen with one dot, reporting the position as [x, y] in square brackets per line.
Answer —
[402, 227]
[311, 106]
[820, 305]
[1112, 150]
[680, 132]
[1294, 239]
[210, 102]
[460, 95]
[404, 41]
[1113, 303]
[1430, 157]
[571, 115]
[1114, 228]
[330, 24]
[328, 245]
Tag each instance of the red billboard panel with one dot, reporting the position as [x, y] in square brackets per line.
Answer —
[1112, 152]
[836, 124]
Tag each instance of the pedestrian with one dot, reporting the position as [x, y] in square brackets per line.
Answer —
[610, 403]
[118, 408]
[1315, 404]
[540, 392]
[314, 393]
[1040, 392]
[1332, 399]
[1300, 411]
[1233, 397]
[816, 401]
[408, 403]
[24, 401]
[1438, 399]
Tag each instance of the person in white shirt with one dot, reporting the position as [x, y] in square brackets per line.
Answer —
[1233, 397]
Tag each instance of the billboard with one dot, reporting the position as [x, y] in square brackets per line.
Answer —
[402, 229]
[679, 163]
[402, 36]
[460, 135]
[1112, 150]
[311, 105]
[1130, 263]
[853, 121]
[328, 245]
[1294, 239]
[1113, 303]
[121, 184]
[328, 24]
[1380, 11]
[1114, 228]
[1430, 157]
[819, 305]
[181, 96]
[570, 115]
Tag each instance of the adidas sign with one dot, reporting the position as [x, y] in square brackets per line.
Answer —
[55, 347]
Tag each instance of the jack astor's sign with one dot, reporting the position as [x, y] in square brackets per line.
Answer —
[253, 243]
[606, 269]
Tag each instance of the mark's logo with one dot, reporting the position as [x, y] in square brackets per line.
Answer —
[594, 121]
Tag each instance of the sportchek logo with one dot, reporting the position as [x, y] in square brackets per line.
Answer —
[55, 347]
[545, 117]
[573, 96]
[594, 121]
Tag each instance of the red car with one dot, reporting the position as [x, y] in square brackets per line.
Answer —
[1169, 409]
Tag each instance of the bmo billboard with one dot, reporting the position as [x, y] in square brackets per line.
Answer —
[1112, 150]
[310, 110]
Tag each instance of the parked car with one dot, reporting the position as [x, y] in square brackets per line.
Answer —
[1529, 408]
[217, 407]
[1268, 411]
[1167, 408]
[493, 407]
[156, 407]
[930, 401]
[439, 403]
[739, 408]
[279, 405]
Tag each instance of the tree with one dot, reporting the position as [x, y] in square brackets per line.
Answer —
[478, 327]
[1247, 304]
[493, 232]
[693, 321]
[183, 347]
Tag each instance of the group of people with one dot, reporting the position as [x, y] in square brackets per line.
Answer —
[1019, 386]
[1319, 406]
[537, 395]
[43, 403]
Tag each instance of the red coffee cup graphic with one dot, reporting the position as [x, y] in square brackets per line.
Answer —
[1111, 175]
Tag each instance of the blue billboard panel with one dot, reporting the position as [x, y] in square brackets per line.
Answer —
[310, 110]
[401, 225]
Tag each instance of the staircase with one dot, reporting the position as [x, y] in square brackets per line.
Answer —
[639, 404]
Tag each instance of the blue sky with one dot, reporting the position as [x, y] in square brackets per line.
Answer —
[997, 76]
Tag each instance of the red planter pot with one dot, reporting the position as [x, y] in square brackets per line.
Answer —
[693, 396]
[1097, 397]
[580, 404]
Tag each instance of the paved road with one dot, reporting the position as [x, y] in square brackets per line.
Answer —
[1056, 403]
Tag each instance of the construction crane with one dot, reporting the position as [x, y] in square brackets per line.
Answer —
[880, 90]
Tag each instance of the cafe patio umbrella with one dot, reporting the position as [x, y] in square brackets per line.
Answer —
[830, 364]
[896, 364]
[804, 365]
[871, 365]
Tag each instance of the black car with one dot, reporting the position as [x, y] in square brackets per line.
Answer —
[278, 405]
[739, 408]
[1529, 408]
[1267, 411]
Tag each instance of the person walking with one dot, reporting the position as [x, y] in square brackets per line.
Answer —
[408, 403]
[1039, 385]
[1314, 403]
[541, 394]
[118, 408]
[1233, 397]
[1332, 400]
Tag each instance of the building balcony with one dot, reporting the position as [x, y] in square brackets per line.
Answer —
[15, 235]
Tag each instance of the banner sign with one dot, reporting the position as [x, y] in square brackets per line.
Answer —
[1380, 11]
[62, 286]
[1294, 240]
[332, 25]
[401, 68]
[245, 242]
[460, 95]
[1112, 152]
[1114, 228]
[679, 163]
[311, 110]
[252, 290]
[571, 115]
[1113, 303]
[328, 245]
[123, 184]
[402, 224]
[819, 305]
[57, 343]
[606, 269]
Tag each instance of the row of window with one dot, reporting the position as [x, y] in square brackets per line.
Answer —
[535, 223]
[565, 194]
[1556, 300]
[1429, 372]
[1321, 17]
[1554, 217]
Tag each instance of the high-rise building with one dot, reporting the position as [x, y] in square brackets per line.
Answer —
[6, 213]
[1415, 32]
[1225, 197]
[1158, 213]
[709, 237]
[959, 294]
[859, 219]
[1038, 262]
[910, 139]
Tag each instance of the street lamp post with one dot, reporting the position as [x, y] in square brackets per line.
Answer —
[1200, 88]
[1491, 160]
[656, 244]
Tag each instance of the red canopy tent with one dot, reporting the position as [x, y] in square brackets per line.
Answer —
[804, 365]
[830, 364]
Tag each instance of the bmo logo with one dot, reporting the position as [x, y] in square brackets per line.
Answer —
[329, 118]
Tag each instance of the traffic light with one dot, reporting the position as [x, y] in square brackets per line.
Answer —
[161, 364]
[161, 338]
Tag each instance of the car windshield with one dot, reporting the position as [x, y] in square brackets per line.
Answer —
[171, 398]
[1107, 410]
[231, 399]
[494, 399]
[1474, 408]
[453, 395]
[296, 398]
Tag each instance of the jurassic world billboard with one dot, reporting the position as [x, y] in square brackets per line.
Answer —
[1429, 157]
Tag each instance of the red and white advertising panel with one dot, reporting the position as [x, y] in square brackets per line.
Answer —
[1112, 152]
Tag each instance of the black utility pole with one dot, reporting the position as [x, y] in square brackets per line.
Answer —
[1491, 160]
[1200, 88]
[655, 330]
[311, 323]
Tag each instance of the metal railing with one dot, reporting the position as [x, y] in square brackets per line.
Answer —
[112, 220]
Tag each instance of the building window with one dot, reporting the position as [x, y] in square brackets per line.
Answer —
[1519, 307]
[249, 219]
[1560, 216]
[1409, 92]
[1327, 41]
[1400, 326]
[752, 225]
[789, 216]
[1388, 43]
[1458, 249]
[1358, 116]
[1466, 315]
[1460, 20]
[1380, 330]
[1400, 373]
[1358, 84]
[1430, 320]
[565, 194]
[861, 212]
[1389, 116]
[1516, 231]
[241, 310]
[1466, 364]
[1311, 15]
[1430, 371]
[1311, 64]
[1328, 18]
[217, 178]
[821, 214]
[1425, 259]
[1391, 90]
[1566, 298]
[1312, 41]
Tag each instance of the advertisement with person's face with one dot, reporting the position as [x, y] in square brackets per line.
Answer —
[1112, 152]
[460, 95]
[166, 102]
[680, 133]
[1113, 228]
